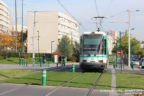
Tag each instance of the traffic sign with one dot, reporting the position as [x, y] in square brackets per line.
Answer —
[120, 52]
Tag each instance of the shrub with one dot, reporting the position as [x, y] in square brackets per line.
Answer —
[73, 59]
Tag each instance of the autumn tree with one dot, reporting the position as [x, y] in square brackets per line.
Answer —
[19, 41]
[6, 41]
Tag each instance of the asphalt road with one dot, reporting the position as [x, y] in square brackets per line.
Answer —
[32, 90]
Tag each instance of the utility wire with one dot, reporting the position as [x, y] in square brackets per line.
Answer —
[80, 23]
[96, 7]
[117, 14]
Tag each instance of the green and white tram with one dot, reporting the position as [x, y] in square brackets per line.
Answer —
[94, 51]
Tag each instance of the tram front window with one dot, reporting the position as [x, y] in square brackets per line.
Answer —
[92, 44]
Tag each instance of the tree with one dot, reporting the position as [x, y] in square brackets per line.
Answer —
[6, 41]
[19, 41]
[134, 43]
[76, 50]
[65, 47]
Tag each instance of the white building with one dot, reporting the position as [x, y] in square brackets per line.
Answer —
[113, 34]
[51, 26]
[4, 18]
[142, 44]
[110, 44]
[19, 28]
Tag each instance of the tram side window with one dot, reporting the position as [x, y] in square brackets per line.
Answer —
[81, 45]
[104, 46]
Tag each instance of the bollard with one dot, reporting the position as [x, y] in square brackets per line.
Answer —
[40, 60]
[73, 67]
[44, 77]
[48, 63]
[19, 61]
[57, 65]
[22, 61]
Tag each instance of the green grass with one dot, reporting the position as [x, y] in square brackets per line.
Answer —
[15, 60]
[7, 74]
[11, 60]
[85, 81]
[127, 81]
[105, 82]
[55, 78]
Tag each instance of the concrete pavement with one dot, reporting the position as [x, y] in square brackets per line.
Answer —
[33, 90]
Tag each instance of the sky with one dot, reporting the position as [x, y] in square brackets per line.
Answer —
[114, 11]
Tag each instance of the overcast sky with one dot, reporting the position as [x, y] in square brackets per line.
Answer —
[84, 10]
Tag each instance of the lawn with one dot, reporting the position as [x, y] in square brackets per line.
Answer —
[15, 60]
[105, 82]
[127, 81]
[7, 74]
[84, 80]
[11, 60]
[34, 78]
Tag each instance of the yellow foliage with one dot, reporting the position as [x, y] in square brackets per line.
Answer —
[6, 40]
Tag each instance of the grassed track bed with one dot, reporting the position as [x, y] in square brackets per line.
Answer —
[84, 80]
[127, 81]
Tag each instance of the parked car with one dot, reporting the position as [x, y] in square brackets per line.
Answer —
[136, 62]
[142, 63]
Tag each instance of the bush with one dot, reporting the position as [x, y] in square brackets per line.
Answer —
[1, 57]
[73, 59]
[7, 54]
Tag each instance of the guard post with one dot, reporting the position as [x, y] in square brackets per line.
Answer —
[73, 67]
[40, 61]
[44, 77]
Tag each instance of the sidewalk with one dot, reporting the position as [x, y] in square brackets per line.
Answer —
[30, 66]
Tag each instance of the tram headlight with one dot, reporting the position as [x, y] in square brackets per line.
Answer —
[84, 61]
[101, 61]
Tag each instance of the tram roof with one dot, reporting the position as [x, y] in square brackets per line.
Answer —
[103, 33]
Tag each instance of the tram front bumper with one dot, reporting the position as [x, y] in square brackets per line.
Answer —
[92, 65]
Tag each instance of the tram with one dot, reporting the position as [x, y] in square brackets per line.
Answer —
[94, 51]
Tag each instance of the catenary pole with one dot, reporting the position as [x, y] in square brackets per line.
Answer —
[22, 29]
[34, 29]
[16, 25]
[129, 50]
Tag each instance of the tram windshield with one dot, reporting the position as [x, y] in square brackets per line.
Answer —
[92, 44]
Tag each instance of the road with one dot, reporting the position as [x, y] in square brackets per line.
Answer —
[32, 90]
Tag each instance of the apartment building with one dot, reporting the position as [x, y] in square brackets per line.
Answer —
[142, 45]
[113, 34]
[47, 28]
[4, 18]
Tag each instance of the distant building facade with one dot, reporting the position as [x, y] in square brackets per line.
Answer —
[19, 28]
[114, 35]
[112, 38]
[142, 45]
[110, 44]
[4, 18]
[49, 27]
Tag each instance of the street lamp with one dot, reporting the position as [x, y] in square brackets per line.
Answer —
[129, 29]
[16, 23]
[22, 27]
[51, 49]
[34, 29]
[38, 44]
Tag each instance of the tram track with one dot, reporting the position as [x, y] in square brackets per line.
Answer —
[63, 84]
[91, 90]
